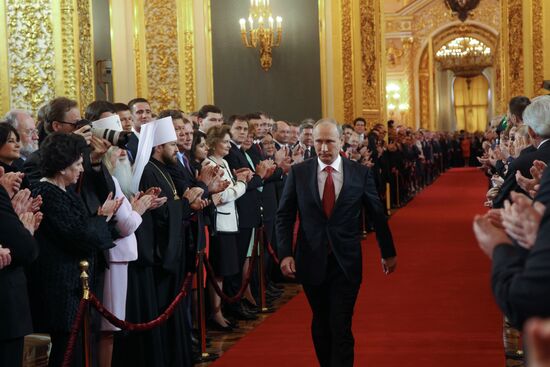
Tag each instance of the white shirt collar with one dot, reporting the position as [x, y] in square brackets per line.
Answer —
[336, 165]
[542, 142]
[135, 132]
[281, 144]
[237, 145]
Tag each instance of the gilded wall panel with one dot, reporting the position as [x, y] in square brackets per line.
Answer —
[347, 57]
[86, 81]
[369, 55]
[538, 52]
[515, 48]
[30, 53]
[161, 32]
[69, 51]
[186, 55]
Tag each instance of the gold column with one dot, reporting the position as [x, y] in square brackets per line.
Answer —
[4, 70]
[546, 38]
[347, 60]
[85, 57]
[323, 57]
[528, 47]
[336, 54]
[431, 67]
[538, 48]
[186, 55]
[512, 31]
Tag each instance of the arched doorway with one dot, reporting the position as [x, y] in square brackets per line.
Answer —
[435, 94]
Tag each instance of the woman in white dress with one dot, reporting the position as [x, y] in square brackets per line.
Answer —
[128, 219]
[223, 244]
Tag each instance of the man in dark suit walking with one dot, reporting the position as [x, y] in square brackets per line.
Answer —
[328, 193]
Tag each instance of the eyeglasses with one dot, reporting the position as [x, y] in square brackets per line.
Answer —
[77, 124]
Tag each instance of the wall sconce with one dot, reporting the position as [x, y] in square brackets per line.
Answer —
[262, 31]
[396, 100]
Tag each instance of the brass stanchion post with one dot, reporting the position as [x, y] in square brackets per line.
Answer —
[84, 279]
[388, 198]
[260, 239]
[201, 306]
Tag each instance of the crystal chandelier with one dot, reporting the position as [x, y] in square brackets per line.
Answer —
[462, 8]
[262, 31]
[465, 56]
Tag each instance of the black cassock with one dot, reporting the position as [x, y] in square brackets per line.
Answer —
[154, 280]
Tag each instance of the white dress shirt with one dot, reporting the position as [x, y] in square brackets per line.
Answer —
[337, 176]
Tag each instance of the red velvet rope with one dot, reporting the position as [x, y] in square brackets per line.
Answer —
[146, 325]
[68, 356]
[212, 276]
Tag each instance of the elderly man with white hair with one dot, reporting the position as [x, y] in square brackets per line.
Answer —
[519, 242]
[537, 117]
[25, 125]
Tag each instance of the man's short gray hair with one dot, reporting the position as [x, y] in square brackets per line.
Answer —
[11, 117]
[537, 116]
[331, 122]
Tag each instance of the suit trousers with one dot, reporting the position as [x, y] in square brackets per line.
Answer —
[332, 304]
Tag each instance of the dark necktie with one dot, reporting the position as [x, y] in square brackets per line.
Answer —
[185, 162]
[307, 154]
[329, 193]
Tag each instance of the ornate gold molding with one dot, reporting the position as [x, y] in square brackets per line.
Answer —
[30, 53]
[186, 54]
[86, 76]
[162, 54]
[538, 51]
[515, 47]
[4, 70]
[68, 55]
[347, 60]
[370, 50]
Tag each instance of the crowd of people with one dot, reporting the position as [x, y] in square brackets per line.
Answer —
[138, 193]
[513, 233]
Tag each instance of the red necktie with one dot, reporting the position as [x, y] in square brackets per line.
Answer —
[329, 194]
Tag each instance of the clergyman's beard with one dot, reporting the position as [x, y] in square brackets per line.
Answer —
[123, 173]
[28, 149]
[169, 160]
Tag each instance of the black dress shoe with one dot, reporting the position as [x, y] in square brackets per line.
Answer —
[250, 306]
[213, 325]
[241, 313]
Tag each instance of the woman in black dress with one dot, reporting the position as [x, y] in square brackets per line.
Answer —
[66, 236]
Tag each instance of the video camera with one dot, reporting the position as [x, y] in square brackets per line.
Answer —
[110, 129]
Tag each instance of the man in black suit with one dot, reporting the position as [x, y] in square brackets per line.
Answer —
[141, 112]
[306, 140]
[328, 194]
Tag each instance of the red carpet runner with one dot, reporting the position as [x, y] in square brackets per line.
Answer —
[436, 310]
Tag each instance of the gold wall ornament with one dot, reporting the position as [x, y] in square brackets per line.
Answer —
[86, 73]
[186, 55]
[370, 49]
[347, 60]
[161, 52]
[67, 58]
[262, 32]
[30, 53]
[513, 25]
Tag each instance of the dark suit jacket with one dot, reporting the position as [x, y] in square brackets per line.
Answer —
[521, 278]
[342, 230]
[248, 205]
[523, 163]
[15, 313]
[132, 147]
